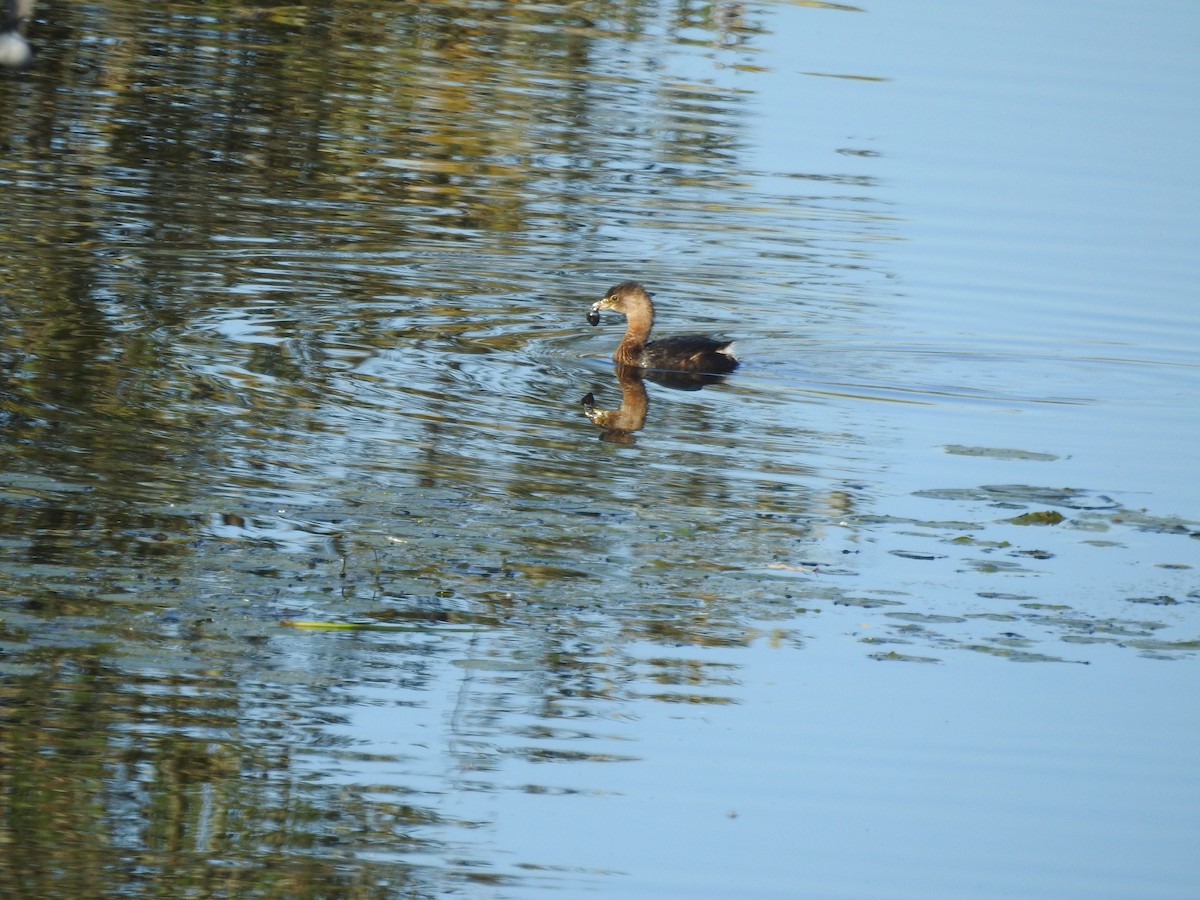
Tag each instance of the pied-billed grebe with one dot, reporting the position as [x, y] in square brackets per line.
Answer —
[681, 353]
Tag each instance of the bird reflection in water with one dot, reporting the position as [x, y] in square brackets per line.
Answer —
[619, 424]
[686, 362]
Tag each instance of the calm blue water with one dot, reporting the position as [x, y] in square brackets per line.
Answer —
[791, 638]
[1003, 258]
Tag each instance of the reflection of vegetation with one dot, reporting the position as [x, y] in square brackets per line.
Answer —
[186, 174]
[393, 120]
[218, 217]
[87, 751]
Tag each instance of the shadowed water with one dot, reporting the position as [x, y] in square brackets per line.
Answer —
[320, 579]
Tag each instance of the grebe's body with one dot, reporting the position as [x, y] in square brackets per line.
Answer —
[681, 353]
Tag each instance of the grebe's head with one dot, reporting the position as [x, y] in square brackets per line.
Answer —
[620, 298]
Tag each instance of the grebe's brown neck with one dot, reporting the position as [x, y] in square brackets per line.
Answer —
[640, 314]
[631, 299]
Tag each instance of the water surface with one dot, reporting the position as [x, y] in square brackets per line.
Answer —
[319, 581]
